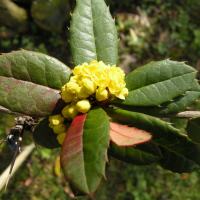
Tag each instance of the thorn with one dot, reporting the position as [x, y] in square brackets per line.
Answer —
[159, 106]
[70, 14]
[104, 177]
[169, 58]
[171, 100]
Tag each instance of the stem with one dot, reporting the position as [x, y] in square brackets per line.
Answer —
[20, 159]
[7, 111]
[184, 115]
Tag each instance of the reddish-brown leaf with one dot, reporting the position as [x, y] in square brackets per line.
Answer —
[122, 135]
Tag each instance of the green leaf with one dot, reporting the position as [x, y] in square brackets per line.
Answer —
[176, 162]
[157, 83]
[44, 135]
[142, 154]
[93, 35]
[34, 67]
[28, 98]
[163, 133]
[193, 129]
[178, 104]
[75, 191]
[84, 151]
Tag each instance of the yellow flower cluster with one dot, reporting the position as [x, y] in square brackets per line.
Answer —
[95, 80]
[57, 124]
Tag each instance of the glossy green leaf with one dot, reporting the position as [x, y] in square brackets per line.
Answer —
[193, 129]
[28, 98]
[163, 133]
[44, 135]
[93, 35]
[142, 154]
[84, 151]
[178, 104]
[176, 162]
[75, 191]
[157, 83]
[34, 67]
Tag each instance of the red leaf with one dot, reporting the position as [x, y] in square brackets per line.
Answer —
[72, 145]
[122, 135]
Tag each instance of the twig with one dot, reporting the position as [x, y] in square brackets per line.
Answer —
[19, 160]
[7, 111]
[185, 114]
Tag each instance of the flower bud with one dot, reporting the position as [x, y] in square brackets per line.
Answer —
[123, 93]
[65, 111]
[81, 93]
[59, 128]
[83, 106]
[51, 125]
[73, 112]
[61, 137]
[101, 94]
[67, 96]
[56, 119]
[89, 86]
[63, 88]
[72, 87]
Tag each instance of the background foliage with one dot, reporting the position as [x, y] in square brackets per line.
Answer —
[148, 30]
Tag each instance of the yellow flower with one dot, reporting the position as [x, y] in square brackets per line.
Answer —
[65, 111]
[67, 96]
[51, 125]
[72, 111]
[59, 128]
[101, 76]
[89, 79]
[72, 87]
[89, 86]
[117, 82]
[81, 93]
[122, 94]
[101, 94]
[83, 106]
[61, 137]
[56, 119]
[73, 79]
